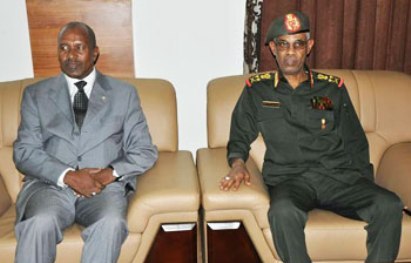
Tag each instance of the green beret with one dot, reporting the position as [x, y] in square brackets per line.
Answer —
[289, 24]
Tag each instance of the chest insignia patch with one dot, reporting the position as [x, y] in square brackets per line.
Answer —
[271, 104]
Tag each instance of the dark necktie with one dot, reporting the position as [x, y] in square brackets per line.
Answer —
[80, 103]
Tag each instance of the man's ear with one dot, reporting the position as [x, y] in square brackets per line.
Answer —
[310, 45]
[96, 54]
[273, 48]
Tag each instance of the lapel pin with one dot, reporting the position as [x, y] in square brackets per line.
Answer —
[103, 98]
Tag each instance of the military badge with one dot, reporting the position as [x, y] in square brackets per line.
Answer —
[292, 23]
[321, 103]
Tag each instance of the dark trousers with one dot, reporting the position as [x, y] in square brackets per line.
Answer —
[363, 200]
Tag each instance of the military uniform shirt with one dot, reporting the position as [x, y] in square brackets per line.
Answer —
[313, 127]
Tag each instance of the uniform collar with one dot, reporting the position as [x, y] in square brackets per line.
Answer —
[278, 76]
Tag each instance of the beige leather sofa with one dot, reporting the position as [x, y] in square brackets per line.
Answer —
[382, 100]
[167, 195]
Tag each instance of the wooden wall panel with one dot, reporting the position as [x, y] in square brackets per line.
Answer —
[110, 20]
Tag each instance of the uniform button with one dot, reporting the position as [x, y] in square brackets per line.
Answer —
[79, 158]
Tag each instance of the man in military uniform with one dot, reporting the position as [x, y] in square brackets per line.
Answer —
[317, 153]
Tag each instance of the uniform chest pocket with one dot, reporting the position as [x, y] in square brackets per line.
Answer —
[269, 113]
[319, 120]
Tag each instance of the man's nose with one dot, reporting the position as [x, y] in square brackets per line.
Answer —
[72, 53]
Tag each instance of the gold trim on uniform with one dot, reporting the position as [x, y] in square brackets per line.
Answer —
[330, 78]
[260, 77]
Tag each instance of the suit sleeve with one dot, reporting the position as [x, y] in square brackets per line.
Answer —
[243, 130]
[28, 150]
[355, 140]
[138, 153]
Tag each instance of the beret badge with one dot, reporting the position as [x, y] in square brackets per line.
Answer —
[292, 23]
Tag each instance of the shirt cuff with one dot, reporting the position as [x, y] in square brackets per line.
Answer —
[60, 181]
[115, 174]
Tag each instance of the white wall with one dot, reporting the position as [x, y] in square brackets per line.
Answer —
[15, 53]
[188, 43]
[184, 41]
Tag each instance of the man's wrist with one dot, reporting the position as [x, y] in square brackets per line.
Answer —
[237, 162]
[61, 180]
[114, 173]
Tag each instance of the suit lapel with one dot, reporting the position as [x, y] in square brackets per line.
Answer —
[59, 94]
[98, 99]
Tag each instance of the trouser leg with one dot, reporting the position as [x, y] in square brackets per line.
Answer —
[104, 217]
[48, 212]
[380, 208]
[290, 202]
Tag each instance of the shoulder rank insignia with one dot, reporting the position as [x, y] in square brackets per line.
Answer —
[331, 78]
[259, 77]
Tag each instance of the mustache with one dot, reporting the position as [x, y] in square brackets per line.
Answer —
[291, 56]
[290, 59]
[67, 61]
[71, 63]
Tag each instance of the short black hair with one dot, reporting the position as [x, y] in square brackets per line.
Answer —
[75, 24]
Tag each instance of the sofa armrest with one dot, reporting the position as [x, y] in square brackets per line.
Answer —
[5, 200]
[212, 166]
[394, 171]
[170, 187]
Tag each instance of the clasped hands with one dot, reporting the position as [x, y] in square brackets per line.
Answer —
[236, 176]
[88, 182]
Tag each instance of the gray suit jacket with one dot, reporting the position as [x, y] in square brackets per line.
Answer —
[114, 133]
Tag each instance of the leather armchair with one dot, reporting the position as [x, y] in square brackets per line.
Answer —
[167, 196]
[382, 101]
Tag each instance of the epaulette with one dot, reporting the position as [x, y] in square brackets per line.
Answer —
[259, 77]
[331, 78]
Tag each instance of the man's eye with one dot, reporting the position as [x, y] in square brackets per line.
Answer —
[299, 44]
[283, 44]
[80, 48]
[64, 48]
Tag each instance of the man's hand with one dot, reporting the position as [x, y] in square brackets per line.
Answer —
[237, 174]
[104, 176]
[83, 183]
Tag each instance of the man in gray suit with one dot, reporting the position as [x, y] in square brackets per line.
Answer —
[82, 141]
